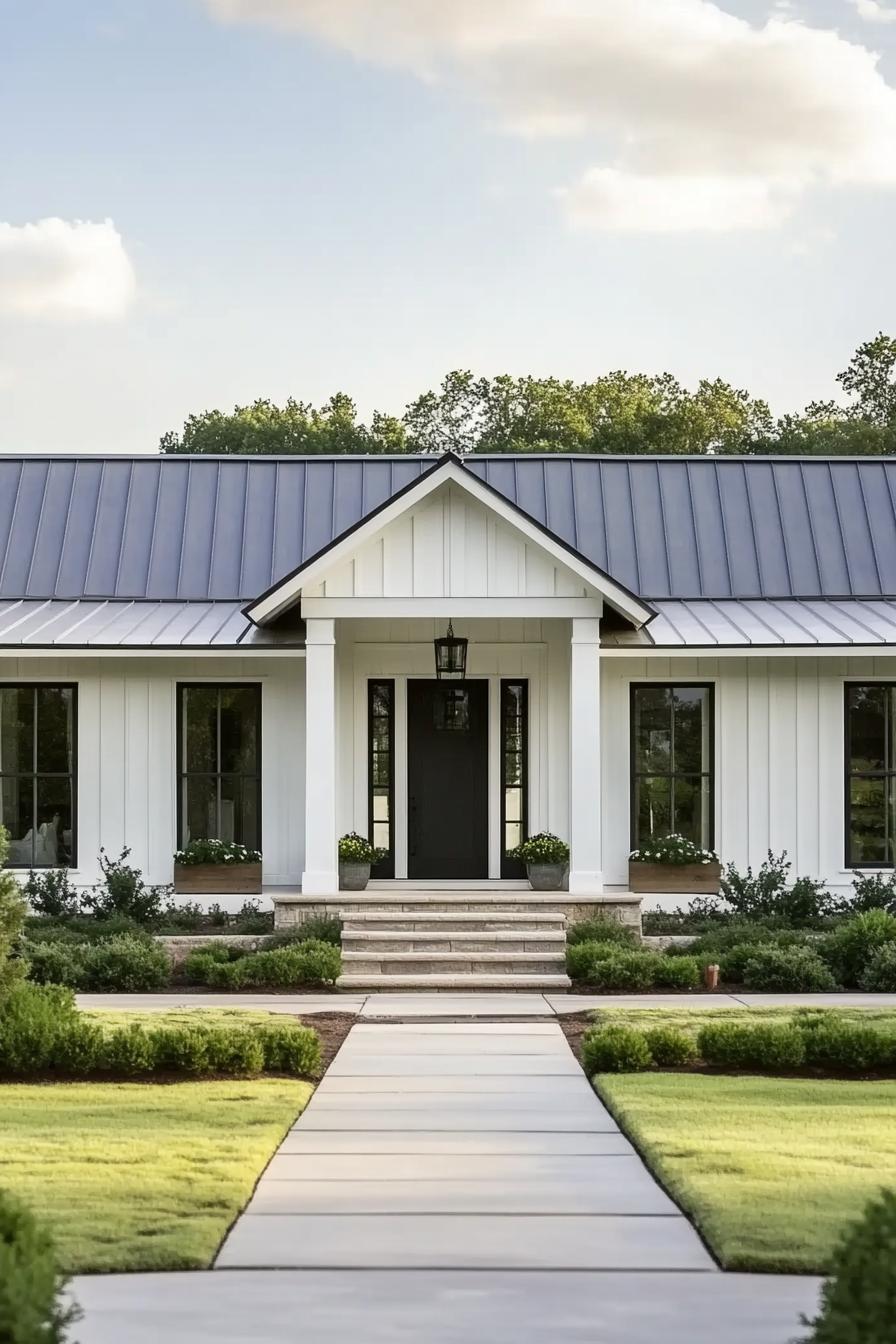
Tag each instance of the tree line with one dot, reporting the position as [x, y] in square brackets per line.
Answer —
[617, 413]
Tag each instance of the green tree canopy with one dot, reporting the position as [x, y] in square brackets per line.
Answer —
[618, 412]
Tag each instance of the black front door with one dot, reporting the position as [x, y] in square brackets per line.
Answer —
[447, 779]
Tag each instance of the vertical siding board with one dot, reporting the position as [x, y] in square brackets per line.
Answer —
[783, 781]
[807, 857]
[732, 748]
[137, 737]
[757, 762]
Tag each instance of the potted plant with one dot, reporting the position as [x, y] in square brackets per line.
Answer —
[356, 854]
[217, 867]
[546, 858]
[673, 863]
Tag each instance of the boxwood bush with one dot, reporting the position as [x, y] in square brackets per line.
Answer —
[677, 973]
[849, 949]
[41, 1032]
[784, 970]
[32, 1305]
[766, 1047]
[601, 930]
[610, 968]
[615, 1049]
[879, 974]
[837, 1045]
[125, 963]
[858, 1301]
[670, 1047]
[303, 963]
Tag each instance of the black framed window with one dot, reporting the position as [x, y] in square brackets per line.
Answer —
[514, 772]
[672, 762]
[219, 763]
[871, 775]
[38, 774]
[381, 773]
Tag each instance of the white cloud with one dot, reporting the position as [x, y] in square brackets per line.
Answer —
[874, 11]
[64, 268]
[683, 104]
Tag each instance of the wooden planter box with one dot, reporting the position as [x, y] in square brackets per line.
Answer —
[688, 879]
[217, 879]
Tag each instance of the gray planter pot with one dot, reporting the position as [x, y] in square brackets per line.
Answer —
[546, 876]
[353, 876]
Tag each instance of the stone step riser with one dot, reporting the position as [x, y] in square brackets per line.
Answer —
[461, 965]
[554, 924]
[454, 982]
[422, 943]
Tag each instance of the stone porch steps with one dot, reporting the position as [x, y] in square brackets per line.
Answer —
[450, 949]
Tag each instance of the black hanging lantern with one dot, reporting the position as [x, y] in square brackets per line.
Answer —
[451, 656]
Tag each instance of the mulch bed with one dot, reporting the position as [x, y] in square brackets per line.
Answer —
[332, 1028]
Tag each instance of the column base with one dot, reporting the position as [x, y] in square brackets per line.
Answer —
[583, 883]
[320, 884]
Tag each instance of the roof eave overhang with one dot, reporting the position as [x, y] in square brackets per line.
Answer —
[288, 591]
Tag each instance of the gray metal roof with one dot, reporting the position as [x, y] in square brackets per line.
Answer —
[764, 623]
[228, 528]
[141, 625]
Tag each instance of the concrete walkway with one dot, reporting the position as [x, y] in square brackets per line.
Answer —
[450, 1183]
[467, 1146]
[392, 1006]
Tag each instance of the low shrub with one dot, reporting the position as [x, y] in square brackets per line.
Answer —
[78, 929]
[677, 972]
[580, 957]
[670, 1047]
[768, 893]
[49, 892]
[32, 1020]
[236, 1052]
[733, 961]
[129, 963]
[54, 963]
[32, 1305]
[125, 963]
[880, 971]
[123, 892]
[770, 1048]
[784, 970]
[197, 967]
[615, 1049]
[617, 971]
[873, 891]
[302, 963]
[858, 1300]
[601, 930]
[79, 1049]
[839, 1046]
[12, 920]
[181, 1049]
[130, 1050]
[319, 929]
[290, 1048]
[848, 949]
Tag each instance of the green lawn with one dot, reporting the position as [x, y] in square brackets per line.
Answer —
[141, 1175]
[178, 1017]
[692, 1019]
[771, 1170]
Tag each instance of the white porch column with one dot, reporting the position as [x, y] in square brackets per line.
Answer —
[320, 877]
[585, 867]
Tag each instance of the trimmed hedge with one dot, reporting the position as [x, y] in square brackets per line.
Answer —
[615, 1050]
[670, 1047]
[880, 971]
[300, 963]
[124, 963]
[612, 969]
[768, 1047]
[32, 1309]
[858, 1300]
[601, 930]
[841, 1046]
[785, 970]
[42, 1032]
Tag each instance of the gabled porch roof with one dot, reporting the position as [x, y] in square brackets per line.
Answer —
[447, 470]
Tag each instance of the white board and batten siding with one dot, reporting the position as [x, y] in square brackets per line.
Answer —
[779, 755]
[449, 546]
[127, 755]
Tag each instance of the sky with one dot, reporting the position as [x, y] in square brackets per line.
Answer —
[203, 202]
